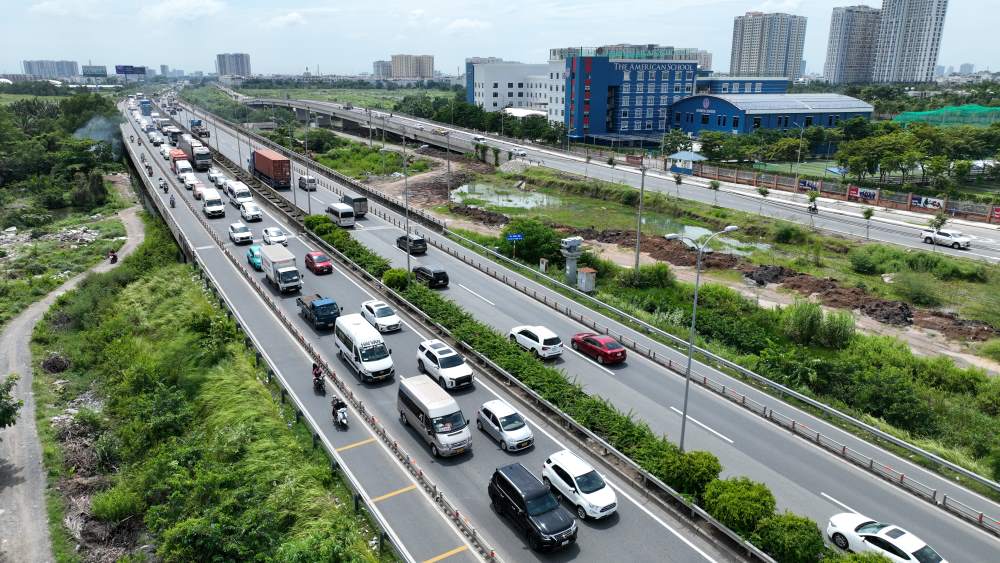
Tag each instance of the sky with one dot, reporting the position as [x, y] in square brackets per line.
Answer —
[344, 37]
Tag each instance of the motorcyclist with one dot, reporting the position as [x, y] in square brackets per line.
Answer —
[172, 200]
[339, 410]
[317, 372]
[113, 257]
[813, 208]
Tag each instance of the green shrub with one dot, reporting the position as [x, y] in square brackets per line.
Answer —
[990, 349]
[739, 503]
[691, 472]
[789, 538]
[863, 262]
[836, 330]
[866, 557]
[540, 241]
[994, 463]
[801, 321]
[988, 400]
[916, 288]
[396, 278]
[116, 504]
[605, 268]
[648, 276]
[787, 233]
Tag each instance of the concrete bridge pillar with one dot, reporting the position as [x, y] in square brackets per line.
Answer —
[323, 120]
[302, 115]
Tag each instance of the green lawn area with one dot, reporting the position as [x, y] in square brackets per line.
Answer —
[812, 167]
[376, 98]
[11, 98]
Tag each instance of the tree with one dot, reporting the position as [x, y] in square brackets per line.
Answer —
[789, 538]
[496, 156]
[938, 221]
[712, 143]
[867, 214]
[763, 195]
[9, 406]
[714, 186]
[739, 503]
[678, 180]
[787, 148]
[538, 240]
[813, 195]
[675, 140]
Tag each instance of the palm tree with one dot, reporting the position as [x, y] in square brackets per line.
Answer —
[867, 214]
[714, 186]
[763, 195]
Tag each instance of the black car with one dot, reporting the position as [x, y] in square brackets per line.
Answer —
[520, 496]
[418, 245]
[433, 276]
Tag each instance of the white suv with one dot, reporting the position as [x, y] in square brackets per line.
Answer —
[538, 340]
[443, 364]
[576, 481]
[240, 234]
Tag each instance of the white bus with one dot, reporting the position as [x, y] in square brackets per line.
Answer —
[362, 348]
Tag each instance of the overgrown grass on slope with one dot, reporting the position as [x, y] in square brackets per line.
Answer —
[195, 446]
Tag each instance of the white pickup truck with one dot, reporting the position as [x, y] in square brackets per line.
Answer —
[946, 237]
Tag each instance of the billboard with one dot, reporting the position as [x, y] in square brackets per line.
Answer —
[94, 71]
[926, 202]
[129, 69]
[867, 194]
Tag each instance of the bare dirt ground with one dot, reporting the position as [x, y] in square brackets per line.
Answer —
[24, 531]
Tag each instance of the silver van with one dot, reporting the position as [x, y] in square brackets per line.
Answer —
[362, 348]
[434, 414]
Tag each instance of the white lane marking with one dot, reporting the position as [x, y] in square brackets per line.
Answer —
[591, 362]
[703, 425]
[206, 247]
[838, 503]
[492, 304]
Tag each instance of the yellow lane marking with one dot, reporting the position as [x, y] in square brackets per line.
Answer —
[355, 444]
[446, 554]
[394, 493]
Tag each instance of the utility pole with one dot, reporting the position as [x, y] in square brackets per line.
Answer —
[406, 204]
[447, 190]
[638, 221]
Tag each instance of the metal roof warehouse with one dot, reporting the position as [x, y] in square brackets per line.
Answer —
[745, 113]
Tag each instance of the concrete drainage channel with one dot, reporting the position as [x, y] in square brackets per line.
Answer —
[919, 489]
[665, 497]
[385, 535]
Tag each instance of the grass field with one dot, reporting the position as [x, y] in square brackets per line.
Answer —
[384, 99]
[11, 98]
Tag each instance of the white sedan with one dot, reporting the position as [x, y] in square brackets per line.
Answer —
[213, 175]
[251, 212]
[380, 315]
[274, 235]
[854, 532]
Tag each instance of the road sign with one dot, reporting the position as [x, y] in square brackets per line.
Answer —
[515, 236]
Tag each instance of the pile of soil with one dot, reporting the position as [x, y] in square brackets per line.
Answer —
[830, 293]
[659, 248]
[55, 363]
[763, 275]
[888, 312]
[953, 327]
[484, 216]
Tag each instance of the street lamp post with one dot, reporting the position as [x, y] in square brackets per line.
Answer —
[447, 137]
[406, 203]
[638, 220]
[305, 140]
[694, 317]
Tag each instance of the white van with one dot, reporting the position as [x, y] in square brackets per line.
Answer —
[342, 214]
[239, 193]
[361, 347]
[211, 203]
[434, 414]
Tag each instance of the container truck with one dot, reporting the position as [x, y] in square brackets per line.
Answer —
[146, 107]
[279, 268]
[197, 154]
[359, 203]
[271, 168]
[198, 128]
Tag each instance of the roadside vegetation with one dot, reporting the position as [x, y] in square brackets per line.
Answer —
[54, 200]
[745, 506]
[157, 429]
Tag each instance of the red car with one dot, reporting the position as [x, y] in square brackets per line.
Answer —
[604, 349]
[318, 263]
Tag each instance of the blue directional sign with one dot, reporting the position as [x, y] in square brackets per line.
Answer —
[515, 237]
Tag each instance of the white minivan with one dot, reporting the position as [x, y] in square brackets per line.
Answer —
[434, 414]
[211, 203]
[239, 193]
[342, 214]
[361, 347]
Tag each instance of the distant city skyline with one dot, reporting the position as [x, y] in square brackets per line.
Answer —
[286, 39]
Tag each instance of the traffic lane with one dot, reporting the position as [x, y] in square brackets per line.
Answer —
[384, 404]
[422, 541]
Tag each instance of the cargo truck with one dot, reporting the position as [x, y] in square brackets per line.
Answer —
[319, 311]
[359, 203]
[199, 156]
[198, 128]
[145, 107]
[271, 168]
[279, 268]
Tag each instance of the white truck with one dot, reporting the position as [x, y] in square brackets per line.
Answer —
[946, 237]
[279, 268]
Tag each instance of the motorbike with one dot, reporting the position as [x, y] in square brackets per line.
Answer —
[339, 413]
[318, 385]
[149, 170]
[172, 204]
[812, 209]
[114, 258]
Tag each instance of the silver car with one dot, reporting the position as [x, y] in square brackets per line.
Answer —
[505, 425]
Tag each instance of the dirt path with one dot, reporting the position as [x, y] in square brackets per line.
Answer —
[24, 530]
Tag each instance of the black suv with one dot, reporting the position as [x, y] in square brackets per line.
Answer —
[417, 244]
[433, 276]
[519, 495]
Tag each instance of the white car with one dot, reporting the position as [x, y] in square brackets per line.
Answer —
[220, 180]
[213, 175]
[380, 315]
[443, 364]
[274, 235]
[165, 151]
[858, 533]
[519, 152]
[581, 485]
[240, 234]
[946, 237]
[538, 340]
[251, 212]
[505, 425]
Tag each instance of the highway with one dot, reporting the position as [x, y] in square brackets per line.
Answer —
[835, 216]
[640, 531]
[804, 478]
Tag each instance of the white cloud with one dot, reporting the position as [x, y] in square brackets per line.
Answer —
[286, 20]
[164, 10]
[86, 9]
[783, 6]
[467, 24]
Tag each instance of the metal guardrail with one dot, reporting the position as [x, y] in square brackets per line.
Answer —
[858, 458]
[408, 462]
